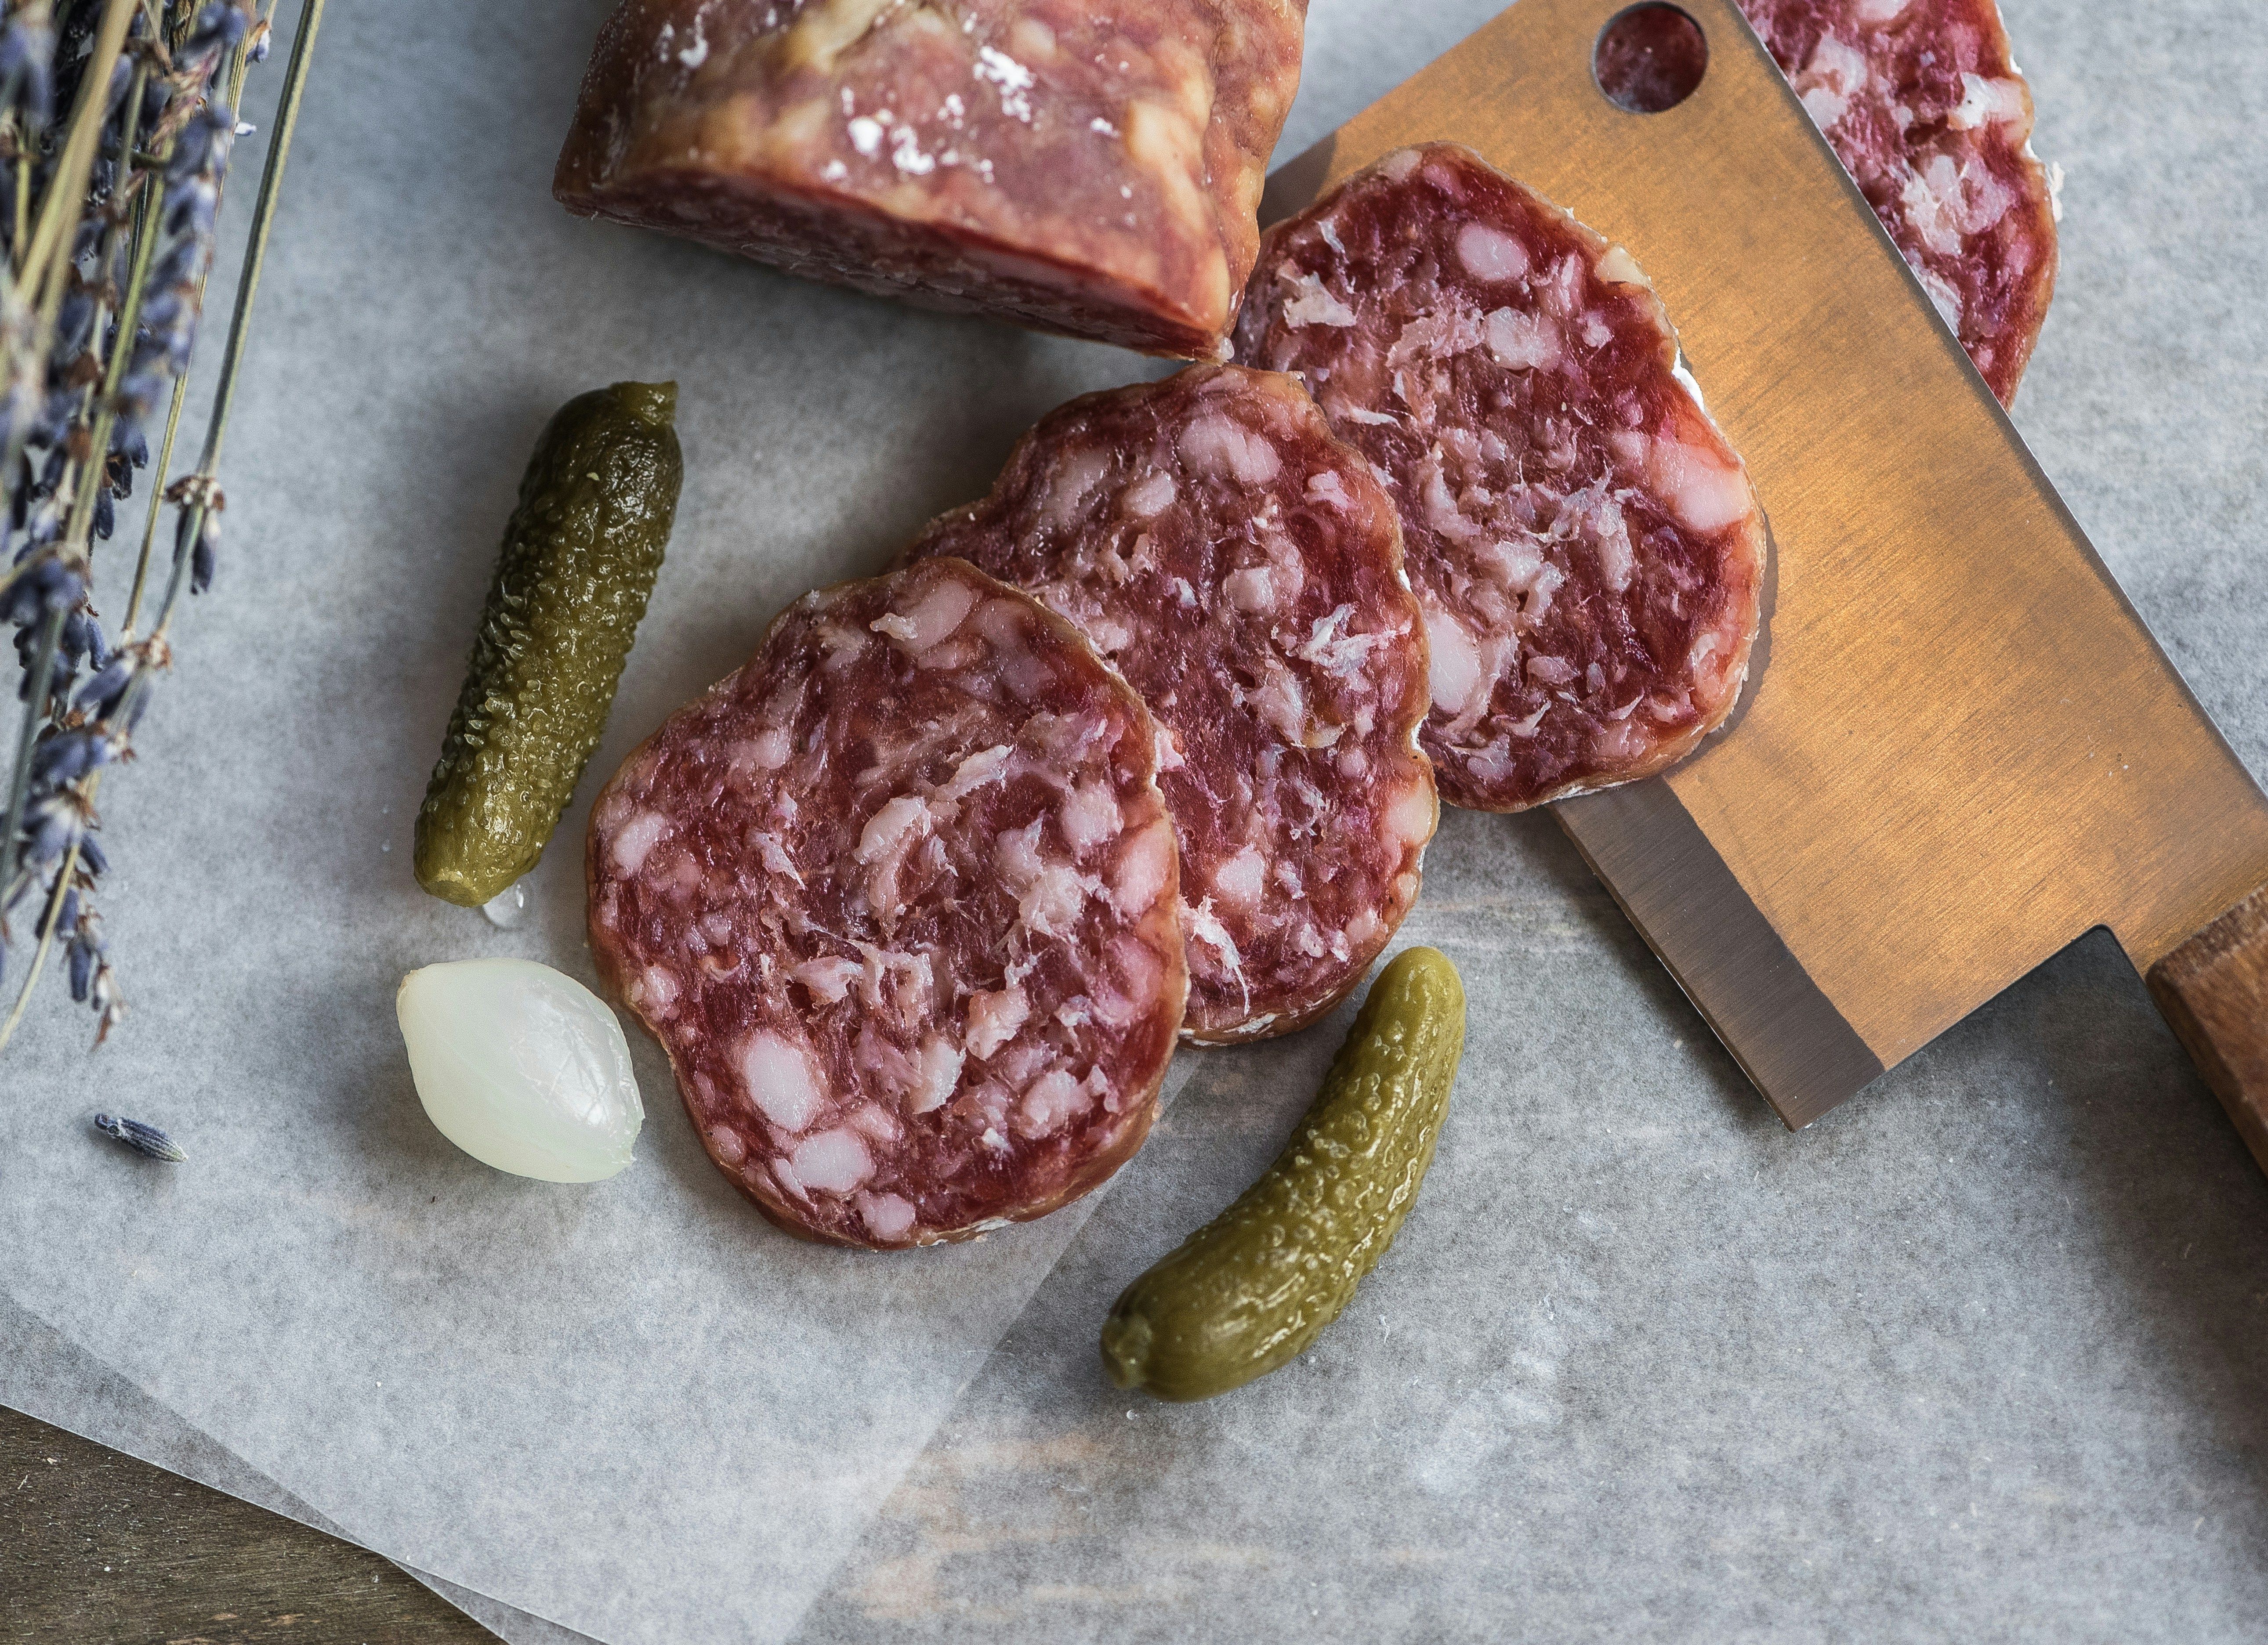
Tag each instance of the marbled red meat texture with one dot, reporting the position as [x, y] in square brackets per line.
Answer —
[1922, 102]
[1584, 543]
[1091, 171]
[1242, 568]
[899, 899]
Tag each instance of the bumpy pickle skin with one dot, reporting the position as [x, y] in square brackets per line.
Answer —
[578, 561]
[1248, 1292]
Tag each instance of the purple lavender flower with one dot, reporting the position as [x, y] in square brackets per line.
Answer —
[27, 51]
[54, 823]
[143, 1139]
[204, 553]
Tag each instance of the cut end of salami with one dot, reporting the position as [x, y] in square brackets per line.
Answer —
[1242, 569]
[1093, 172]
[900, 899]
[1921, 101]
[1584, 544]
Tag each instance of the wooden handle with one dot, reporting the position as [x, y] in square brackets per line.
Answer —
[2214, 990]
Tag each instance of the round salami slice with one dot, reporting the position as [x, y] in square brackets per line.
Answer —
[1583, 542]
[899, 899]
[1929, 115]
[1243, 570]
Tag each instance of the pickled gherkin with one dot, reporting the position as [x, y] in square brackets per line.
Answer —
[1248, 1292]
[579, 559]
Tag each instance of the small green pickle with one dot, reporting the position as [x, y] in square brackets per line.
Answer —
[579, 560]
[1248, 1292]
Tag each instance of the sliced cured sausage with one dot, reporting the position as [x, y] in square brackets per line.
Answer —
[899, 899]
[1243, 569]
[1583, 542]
[1093, 171]
[1922, 102]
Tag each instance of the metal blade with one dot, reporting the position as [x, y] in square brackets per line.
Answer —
[1961, 749]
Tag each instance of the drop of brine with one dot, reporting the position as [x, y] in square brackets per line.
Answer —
[507, 909]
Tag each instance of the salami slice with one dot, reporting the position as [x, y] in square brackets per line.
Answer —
[899, 899]
[1921, 101]
[1243, 570]
[1583, 542]
[1094, 171]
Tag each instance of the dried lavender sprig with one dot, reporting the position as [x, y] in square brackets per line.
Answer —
[143, 1139]
[255, 49]
[119, 692]
[197, 539]
[60, 213]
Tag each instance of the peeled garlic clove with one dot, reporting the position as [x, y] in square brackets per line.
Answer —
[522, 1067]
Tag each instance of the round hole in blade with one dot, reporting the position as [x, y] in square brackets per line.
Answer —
[1649, 58]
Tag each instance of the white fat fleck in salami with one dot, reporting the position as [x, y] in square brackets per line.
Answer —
[1242, 568]
[1584, 544]
[1922, 103]
[1090, 170]
[921, 973]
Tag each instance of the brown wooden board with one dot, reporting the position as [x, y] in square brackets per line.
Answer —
[1961, 749]
[96, 1548]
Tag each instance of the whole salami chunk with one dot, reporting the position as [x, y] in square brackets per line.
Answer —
[899, 899]
[1583, 543]
[1089, 170]
[1243, 570]
[1922, 102]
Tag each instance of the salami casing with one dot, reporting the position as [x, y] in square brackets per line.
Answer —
[1584, 543]
[1242, 568]
[899, 899]
[1089, 170]
[1922, 102]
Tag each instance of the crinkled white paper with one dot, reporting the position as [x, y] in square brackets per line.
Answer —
[1983, 1354]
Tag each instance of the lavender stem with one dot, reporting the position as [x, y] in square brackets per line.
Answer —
[264, 218]
[263, 215]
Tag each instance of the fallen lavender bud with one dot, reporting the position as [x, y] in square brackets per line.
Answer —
[143, 1139]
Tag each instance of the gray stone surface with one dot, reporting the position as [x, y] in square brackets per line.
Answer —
[1980, 1355]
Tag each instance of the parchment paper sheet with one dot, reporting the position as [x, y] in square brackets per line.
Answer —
[46, 1375]
[1981, 1354]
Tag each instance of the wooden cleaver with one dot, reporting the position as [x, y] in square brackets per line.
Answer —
[1960, 749]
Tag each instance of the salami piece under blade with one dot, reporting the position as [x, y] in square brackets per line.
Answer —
[1921, 101]
[1243, 569]
[1583, 542]
[1093, 171]
[899, 899]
